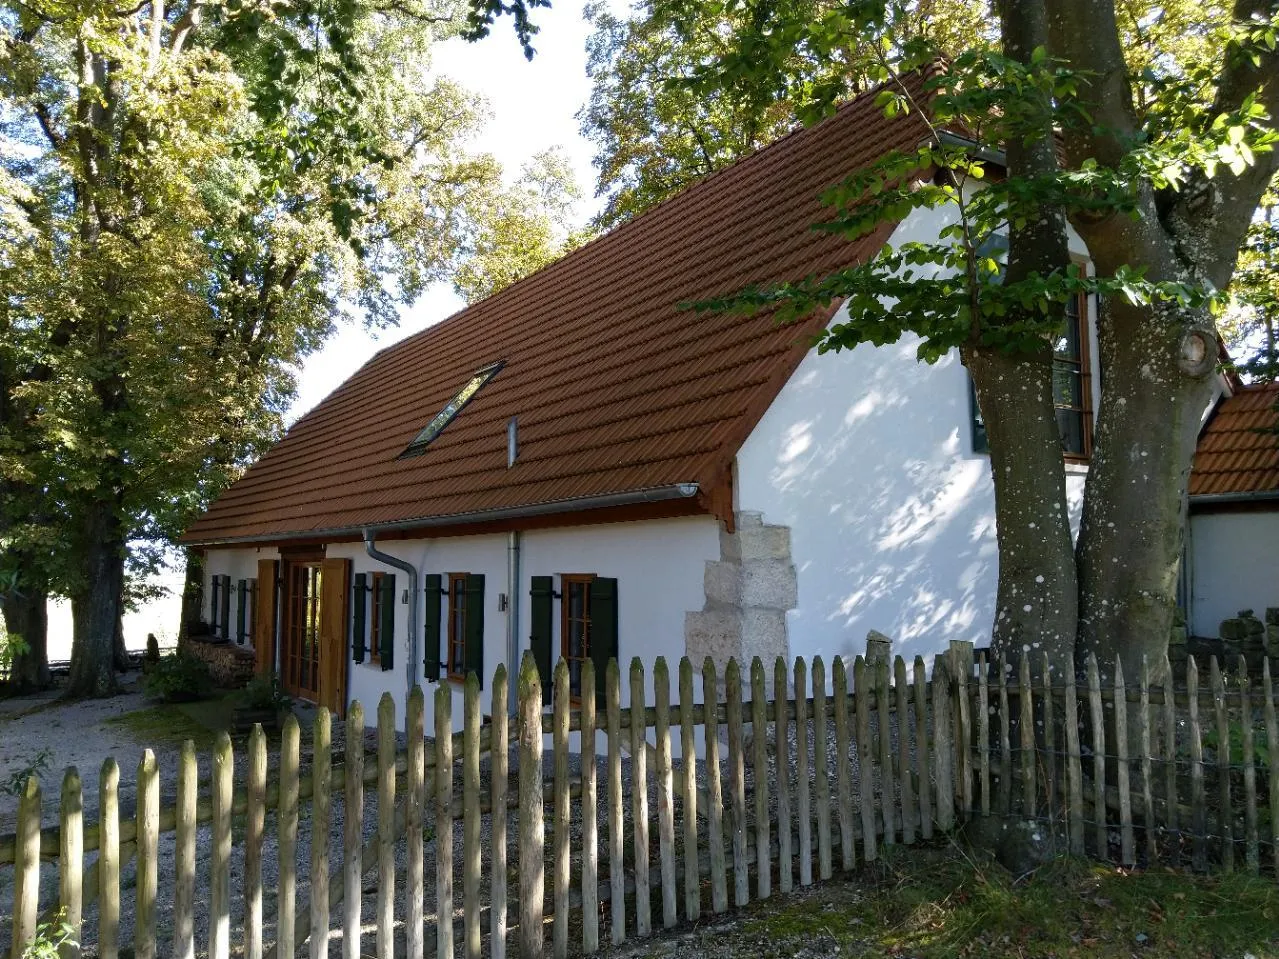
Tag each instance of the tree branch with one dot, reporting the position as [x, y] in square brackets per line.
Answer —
[45, 119]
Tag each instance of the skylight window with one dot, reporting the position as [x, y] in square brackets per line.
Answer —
[454, 406]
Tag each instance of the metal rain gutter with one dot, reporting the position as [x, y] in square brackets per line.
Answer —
[653, 494]
[386, 558]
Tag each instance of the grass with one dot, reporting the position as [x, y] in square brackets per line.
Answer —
[934, 903]
[200, 721]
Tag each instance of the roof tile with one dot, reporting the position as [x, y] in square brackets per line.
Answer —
[1238, 450]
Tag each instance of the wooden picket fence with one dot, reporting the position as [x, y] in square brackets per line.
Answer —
[1124, 772]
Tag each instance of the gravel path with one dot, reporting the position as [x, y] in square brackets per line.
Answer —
[25, 734]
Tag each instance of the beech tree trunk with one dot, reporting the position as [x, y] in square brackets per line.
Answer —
[26, 615]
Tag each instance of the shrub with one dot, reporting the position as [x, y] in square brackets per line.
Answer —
[49, 939]
[263, 692]
[179, 677]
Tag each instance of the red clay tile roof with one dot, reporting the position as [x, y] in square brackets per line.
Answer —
[1235, 454]
[616, 389]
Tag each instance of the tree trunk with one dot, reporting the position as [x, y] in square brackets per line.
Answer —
[119, 653]
[26, 615]
[97, 606]
[192, 592]
[1133, 526]
[1036, 602]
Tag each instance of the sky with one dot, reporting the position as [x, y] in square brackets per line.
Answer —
[532, 107]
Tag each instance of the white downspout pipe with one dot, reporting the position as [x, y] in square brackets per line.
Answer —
[410, 668]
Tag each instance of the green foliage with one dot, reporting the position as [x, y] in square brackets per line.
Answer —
[16, 781]
[263, 692]
[178, 677]
[11, 646]
[50, 938]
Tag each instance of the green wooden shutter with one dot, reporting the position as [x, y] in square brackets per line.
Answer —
[431, 628]
[475, 625]
[242, 591]
[215, 582]
[543, 594]
[224, 607]
[603, 628]
[386, 622]
[359, 607]
[980, 443]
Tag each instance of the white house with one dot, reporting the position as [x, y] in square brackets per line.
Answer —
[580, 467]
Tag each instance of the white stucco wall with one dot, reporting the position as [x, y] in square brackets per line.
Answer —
[238, 564]
[867, 456]
[1234, 565]
[659, 566]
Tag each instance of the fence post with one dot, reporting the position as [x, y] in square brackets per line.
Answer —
[470, 817]
[184, 879]
[71, 861]
[1049, 708]
[714, 789]
[108, 860]
[26, 886]
[1143, 736]
[1272, 764]
[561, 854]
[843, 766]
[254, 827]
[444, 818]
[353, 834]
[941, 740]
[500, 751]
[1225, 813]
[590, 820]
[903, 752]
[962, 654]
[883, 692]
[665, 788]
[688, 770]
[865, 758]
[1099, 756]
[220, 868]
[1252, 854]
[983, 731]
[803, 797]
[923, 766]
[1074, 761]
[147, 818]
[639, 800]
[736, 782]
[1026, 717]
[1198, 806]
[414, 815]
[1170, 759]
[385, 826]
[821, 769]
[532, 837]
[322, 787]
[616, 838]
[1005, 740]
[759, 738]
[1127, 847]
[287, 825]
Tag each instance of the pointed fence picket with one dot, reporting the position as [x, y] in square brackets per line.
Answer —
[1136, 766]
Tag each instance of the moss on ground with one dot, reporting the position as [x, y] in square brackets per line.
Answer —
[934, 903]
[199, 721]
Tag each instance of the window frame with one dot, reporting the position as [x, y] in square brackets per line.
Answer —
[456, 671]
[567, 581]
[1083, 330]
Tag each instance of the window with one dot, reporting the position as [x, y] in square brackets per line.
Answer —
[1072, 382]
[1072, 388]
[457, 623]
[454, 406]
[375, 621]
[575, 629]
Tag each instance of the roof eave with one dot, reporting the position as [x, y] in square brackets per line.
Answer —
[655, 494]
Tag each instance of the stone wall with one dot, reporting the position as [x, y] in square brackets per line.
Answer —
[748, 592]
[231, 665]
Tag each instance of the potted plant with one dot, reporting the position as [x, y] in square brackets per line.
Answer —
[260, 701]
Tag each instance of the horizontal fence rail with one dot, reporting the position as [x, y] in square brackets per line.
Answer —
[607, 818]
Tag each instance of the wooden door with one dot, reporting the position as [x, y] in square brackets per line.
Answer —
[335, 590]
[300, 642]
[264, 618]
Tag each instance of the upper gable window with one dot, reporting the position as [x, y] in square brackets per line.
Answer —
[454, 406]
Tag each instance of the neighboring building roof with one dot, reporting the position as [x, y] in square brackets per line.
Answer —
[1238, 451]
[616, 388]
